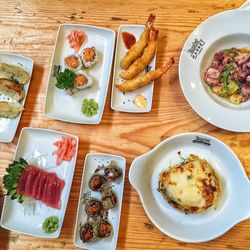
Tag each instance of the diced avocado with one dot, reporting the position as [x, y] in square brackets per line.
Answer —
[224, 91]
[217, 90]
[235, 98]
[232, 87]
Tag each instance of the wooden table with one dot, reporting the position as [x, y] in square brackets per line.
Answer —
[29, 28]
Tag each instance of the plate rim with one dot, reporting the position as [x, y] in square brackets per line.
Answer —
[188, 99]
[112, 32]
[55, 236]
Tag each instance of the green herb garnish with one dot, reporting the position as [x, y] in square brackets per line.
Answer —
[10, 180]
[89, 107]
[50, 225]
[65, 79]
[223, 78]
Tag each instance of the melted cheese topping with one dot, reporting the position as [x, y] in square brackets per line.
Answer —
[192, 187]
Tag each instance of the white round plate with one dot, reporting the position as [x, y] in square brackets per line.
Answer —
[233, 205]
[224, 30]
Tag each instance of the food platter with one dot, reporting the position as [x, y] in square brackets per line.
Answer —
[92, 161]
[224, 30]
[190, 227]
[188, 182]
[124, 102]
[28, 217]
[8, 126]
[103, 40]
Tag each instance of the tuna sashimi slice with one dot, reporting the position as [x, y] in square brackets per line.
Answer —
[22, 181]
[35, 184]
[30, 180]
[41, 187]
[44, 195]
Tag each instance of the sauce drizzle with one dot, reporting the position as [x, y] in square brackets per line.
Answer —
[128, 39]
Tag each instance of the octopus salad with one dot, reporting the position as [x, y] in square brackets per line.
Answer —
[229, 74]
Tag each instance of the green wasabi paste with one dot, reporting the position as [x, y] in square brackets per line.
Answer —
[89, 107]
[50, 225]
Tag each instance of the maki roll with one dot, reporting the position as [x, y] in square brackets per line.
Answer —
[83, 80]
[73, 62]
[109, 199]
[97, 182]
[112, 172]
[87, 232]
[102, 229]
[89, 57]
[94, 208]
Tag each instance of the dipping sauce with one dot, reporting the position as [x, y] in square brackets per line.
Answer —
[140, 101]
[128, 39]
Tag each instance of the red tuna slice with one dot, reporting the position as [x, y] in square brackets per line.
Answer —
[44, 195]
[36, 185]
[59, 188]
[48, 192]
[22, 181]
[41, 186]
[52, 200]
[30, 180]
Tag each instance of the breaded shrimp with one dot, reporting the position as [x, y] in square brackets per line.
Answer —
[142, 81]
[141, 62]
[137, 49]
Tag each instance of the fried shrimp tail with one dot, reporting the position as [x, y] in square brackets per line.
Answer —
[141, 62]
[136, 50]
[141, 81]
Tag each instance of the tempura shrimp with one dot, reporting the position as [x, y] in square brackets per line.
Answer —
[141, 81]
[136, 50]
[141, 62]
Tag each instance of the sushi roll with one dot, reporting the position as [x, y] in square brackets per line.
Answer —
[112, 172]
[89, 57]
[109, 199]
[102, 228]
[83, 80]
[87, 232]
[96, 182]
[94, 208]
[73, 62]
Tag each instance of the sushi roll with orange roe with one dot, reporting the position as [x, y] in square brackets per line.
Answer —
[83, 80]
[73, 62]
[89, 57]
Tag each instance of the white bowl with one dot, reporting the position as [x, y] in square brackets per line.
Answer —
[224, 30]
[234, 203]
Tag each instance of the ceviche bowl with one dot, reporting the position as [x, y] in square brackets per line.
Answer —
[233, 204]
[226, 30]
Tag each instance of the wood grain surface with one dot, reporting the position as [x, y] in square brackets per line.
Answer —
[29, 27]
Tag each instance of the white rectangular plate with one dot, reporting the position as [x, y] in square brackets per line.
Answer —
[124, 101]
[8, 126]
[67, 108]
[91, 162]
[38, 143]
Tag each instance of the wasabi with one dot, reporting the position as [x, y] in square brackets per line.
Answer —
[50, 225]
[89, 107]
